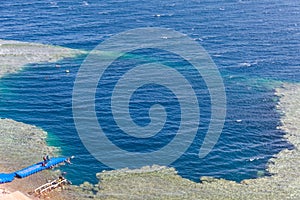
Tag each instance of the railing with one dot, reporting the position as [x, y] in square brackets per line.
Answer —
[48, 187]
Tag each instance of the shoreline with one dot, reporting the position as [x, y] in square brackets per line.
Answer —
[19, 140]
[22, 145]
[147, 182]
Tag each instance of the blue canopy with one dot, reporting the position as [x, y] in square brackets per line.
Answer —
[30, 170]
[4, 178]
[39, 167]
[54, 161]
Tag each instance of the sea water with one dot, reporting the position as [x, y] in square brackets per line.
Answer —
[255, 45]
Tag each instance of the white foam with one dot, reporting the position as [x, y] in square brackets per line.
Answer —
[85, 3]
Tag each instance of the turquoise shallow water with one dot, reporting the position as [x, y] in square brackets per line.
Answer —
[254, 44]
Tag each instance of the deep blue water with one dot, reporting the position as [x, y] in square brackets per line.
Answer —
[253, 43]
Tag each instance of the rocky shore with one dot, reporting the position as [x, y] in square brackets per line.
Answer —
[23, 144]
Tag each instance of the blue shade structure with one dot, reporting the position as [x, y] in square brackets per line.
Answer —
[39, 167]
[5, 178]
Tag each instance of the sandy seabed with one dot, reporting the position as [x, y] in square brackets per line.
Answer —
[22, 145]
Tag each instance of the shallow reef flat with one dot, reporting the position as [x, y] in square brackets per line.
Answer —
[14, 55]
